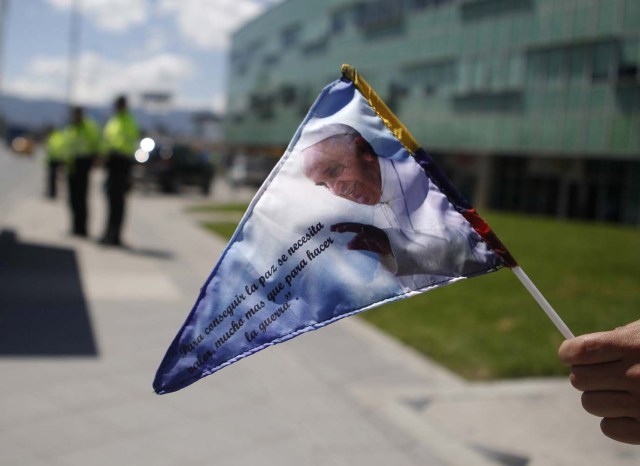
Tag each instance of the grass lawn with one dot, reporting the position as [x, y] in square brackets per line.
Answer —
[224, 229]
[215, 208]
[489, 327]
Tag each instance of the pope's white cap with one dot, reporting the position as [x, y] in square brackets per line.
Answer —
[318, 131]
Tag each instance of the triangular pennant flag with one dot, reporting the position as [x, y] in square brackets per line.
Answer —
[354, 215]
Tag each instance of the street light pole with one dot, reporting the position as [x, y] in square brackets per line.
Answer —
[3, 10]
[74, 36]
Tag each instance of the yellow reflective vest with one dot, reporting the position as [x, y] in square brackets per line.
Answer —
[121, 134]
[83, 140]
[57, 147]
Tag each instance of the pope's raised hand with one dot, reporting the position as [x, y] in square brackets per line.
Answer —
[367, 238]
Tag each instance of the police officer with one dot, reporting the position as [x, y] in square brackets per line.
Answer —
[83, 142]
[121, 138]
[56, 153]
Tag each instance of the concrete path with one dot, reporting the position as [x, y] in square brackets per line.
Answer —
[83, 329]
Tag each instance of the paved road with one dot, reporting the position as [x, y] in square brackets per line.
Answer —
[83, 328]
[16, 177]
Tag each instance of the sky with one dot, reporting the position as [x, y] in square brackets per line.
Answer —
[123, 46]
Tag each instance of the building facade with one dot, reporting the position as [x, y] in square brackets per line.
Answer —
[529, 105]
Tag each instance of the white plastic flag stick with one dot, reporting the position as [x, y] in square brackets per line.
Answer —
[544, 304]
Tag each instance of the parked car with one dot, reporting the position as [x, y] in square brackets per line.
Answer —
[172, 166]
[250, 170]
[20, 140]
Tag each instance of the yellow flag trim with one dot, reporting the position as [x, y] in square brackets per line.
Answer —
[386, 115]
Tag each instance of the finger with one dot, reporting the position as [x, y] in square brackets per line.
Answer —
[605, 376]
[592, 348]
[359, 243]
[347, 227]
[622, 429]
[633, 326]
[611, 404]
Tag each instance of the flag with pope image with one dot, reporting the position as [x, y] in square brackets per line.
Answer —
[354, 215]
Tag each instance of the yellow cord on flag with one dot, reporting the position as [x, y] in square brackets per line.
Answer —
[386, 115]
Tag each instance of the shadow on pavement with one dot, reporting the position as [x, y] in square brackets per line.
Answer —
[43, 310]
[148, 252]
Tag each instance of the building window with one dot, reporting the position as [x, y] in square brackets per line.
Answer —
[602, 61]
[397, 92]
[491, 74]
[558, 65]
[290, 36]
[504, 102]
[338, 22]
[472, 10]
[424, 4]
[433, 77]
[237, 117]
[270, 59]
[288, 94]
[578, 62]
[628, 65]
[262, 106]
[381, 16]
[317, 47]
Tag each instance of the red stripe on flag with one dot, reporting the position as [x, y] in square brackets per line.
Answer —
[489, 236]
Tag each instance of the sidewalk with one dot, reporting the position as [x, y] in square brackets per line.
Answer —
[76, 385]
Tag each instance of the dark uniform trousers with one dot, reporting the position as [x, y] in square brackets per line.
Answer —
[52, 178]
[78, 186]
[117, 185]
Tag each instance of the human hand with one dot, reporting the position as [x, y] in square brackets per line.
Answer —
[605, 366]
[368, 237]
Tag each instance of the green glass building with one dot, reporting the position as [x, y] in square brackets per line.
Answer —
[529, 105]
